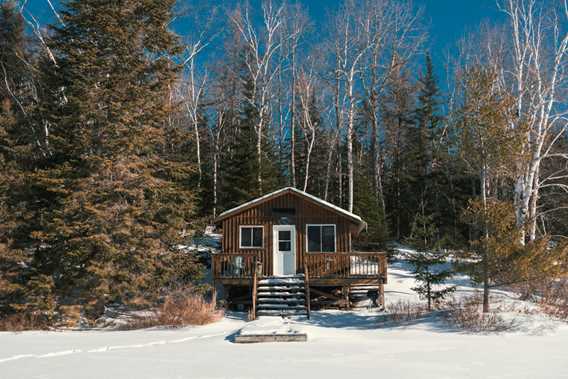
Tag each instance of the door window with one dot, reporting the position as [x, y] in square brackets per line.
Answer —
[284, 240]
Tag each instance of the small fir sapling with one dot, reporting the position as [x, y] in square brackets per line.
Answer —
[428, 261]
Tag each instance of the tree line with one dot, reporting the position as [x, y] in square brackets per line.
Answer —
[120, 139]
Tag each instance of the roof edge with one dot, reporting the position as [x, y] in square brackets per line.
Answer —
[361, 224]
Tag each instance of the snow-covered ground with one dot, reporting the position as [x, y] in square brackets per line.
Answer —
[340, 345]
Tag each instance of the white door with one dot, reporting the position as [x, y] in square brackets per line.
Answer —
[284, 250]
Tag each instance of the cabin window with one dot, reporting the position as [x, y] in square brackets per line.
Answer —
[321, 238]
[251, 237]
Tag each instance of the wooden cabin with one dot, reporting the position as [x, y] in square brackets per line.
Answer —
[289, 236]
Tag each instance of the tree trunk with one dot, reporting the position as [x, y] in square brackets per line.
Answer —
[483, 188]
[350, 132]
[259, 159]
[328, 167]
[293, 121]
[215, 174]
[533, 208]
[198, 152]
[309, 147]
[429, 295]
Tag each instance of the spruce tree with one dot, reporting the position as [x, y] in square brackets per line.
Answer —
[115, 191]
[428, 261]
[367, 206]
[400, 131]
[427, 118]
[15, 102]
[240, 165]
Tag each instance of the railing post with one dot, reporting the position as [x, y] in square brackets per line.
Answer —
[307, 287]
[254, 283]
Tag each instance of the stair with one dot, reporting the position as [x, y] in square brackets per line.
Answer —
[281, 296]
[360, 294]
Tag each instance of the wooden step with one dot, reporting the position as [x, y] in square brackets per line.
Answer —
[263, 312]
[281, 306]
[281, 301]
[299, 294]
[295, 288]
[280, 282]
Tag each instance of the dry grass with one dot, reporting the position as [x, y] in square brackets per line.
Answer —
[554, 299]
[405, 311]
[181, 308]
[23, 321]
[466, 315]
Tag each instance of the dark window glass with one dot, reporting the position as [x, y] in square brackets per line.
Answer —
[257, 237]
[328, 239]
[246, 240]
[284, 235]
[251, 236]
[321, 238]
[285, 246]
[314, 238]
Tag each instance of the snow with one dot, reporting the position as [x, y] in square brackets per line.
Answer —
[340, 344]
[272, 325]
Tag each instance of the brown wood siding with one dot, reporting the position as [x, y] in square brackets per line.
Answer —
[306, 213]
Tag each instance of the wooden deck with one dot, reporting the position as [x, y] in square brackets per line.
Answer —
[325, 269]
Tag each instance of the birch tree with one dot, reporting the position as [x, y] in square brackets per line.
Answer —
[351, 47]
[196, 78]
[396, 36]
[292, 33]
[262, 45]
[536, 75]
[306, 95]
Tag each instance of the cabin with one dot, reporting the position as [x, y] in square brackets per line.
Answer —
[288, 251]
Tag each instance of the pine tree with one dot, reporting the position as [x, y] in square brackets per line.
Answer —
[428, 261]
[113, 196]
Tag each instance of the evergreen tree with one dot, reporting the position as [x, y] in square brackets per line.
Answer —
[240, 164]
[400, 132]
[113, 195]
[428, 261]
[367, 206]
[15, 102]
[427, 118]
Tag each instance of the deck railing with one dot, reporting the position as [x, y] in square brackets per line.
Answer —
[346, 265]
[340, 265]
[234, 266]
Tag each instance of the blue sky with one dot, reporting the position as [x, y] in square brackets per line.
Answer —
[447, 20]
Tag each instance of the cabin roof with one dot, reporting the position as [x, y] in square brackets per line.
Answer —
[334, 208]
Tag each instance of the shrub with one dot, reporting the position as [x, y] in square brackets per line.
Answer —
[554, 299]
[466, 315]
[19, 322]
[181, 308]
[404, 311]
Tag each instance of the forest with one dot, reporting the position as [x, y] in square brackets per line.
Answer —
[121, 139]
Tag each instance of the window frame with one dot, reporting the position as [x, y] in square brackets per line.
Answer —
[252, 237]
[321, 238]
